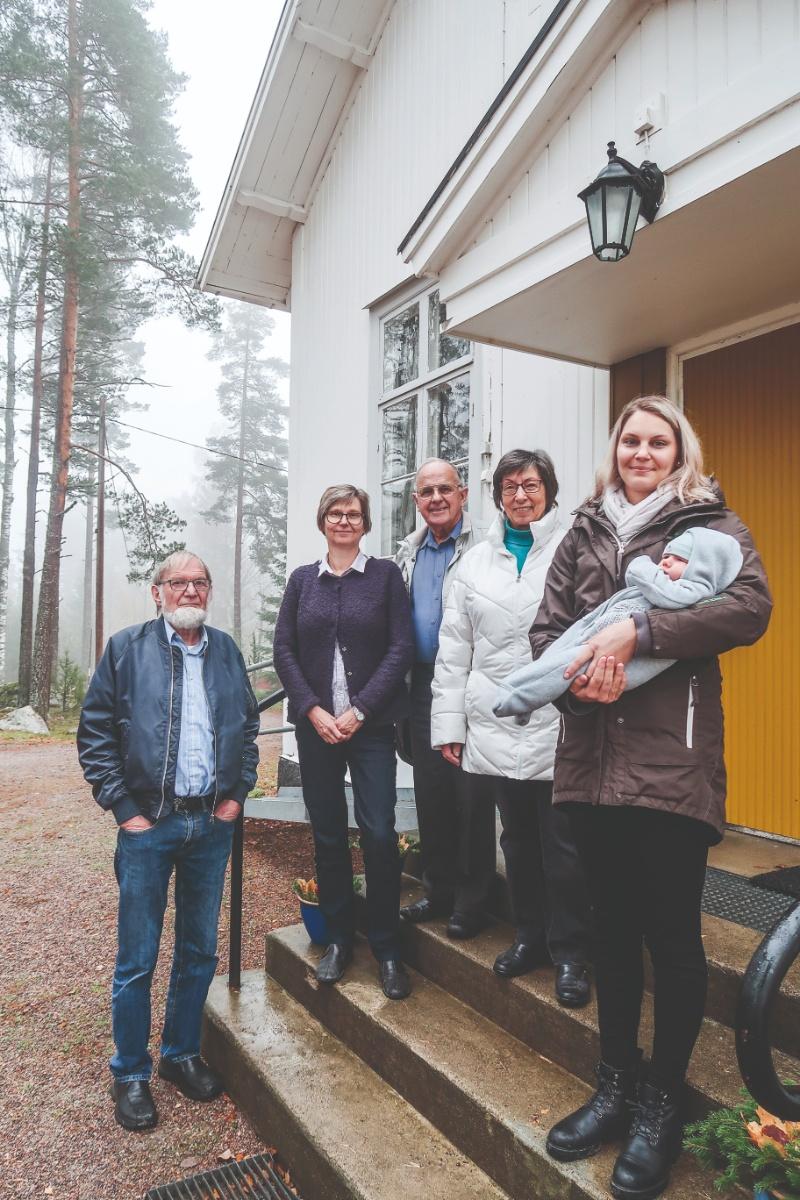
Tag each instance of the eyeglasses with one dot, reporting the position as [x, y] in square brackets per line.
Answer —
[335, 517]
[182, 585]
[531, 488]
[427, 493]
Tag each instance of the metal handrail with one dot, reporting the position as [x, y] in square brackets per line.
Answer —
[237, 873]
[759, 992]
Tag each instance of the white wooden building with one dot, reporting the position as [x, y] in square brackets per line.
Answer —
[406, 186]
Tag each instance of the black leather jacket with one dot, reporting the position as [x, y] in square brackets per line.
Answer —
[130, 723]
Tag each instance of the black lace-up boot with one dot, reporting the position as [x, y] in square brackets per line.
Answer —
[605, 1116]
[642, 1170]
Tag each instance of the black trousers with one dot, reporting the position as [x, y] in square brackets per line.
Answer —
[373, 767]
[646, 870]
[548, 893]
[436, 796]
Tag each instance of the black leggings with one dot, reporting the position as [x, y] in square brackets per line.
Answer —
[645, 869]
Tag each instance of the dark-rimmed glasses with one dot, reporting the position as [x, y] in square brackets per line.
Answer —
[182, 585]
[335, 516]
[531, 487]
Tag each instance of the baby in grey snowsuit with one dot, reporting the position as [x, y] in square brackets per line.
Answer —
[696, 565]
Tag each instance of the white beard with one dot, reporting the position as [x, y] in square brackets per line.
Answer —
[187, 617]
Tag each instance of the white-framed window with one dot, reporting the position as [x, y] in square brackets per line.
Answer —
[424, 406]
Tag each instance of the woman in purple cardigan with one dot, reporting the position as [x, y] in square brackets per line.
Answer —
[343, 646]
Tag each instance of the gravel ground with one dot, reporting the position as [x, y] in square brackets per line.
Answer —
[57, 944]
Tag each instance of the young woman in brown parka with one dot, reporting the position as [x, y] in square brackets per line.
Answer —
[642, 777]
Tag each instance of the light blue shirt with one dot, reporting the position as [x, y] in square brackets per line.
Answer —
[433, 559]
[195, 770]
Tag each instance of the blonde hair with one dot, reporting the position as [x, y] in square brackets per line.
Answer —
[688, 478]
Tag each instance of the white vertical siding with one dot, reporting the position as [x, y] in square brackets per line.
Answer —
[689, 50]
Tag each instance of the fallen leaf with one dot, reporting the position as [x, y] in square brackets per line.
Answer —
[49, 1191]
[186, 1164]
[226, 1156]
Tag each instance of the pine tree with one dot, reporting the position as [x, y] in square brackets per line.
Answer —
[251, 483]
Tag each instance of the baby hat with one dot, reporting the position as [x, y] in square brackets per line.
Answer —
[681, 545]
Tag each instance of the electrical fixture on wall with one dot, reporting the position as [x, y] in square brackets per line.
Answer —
[615, 200]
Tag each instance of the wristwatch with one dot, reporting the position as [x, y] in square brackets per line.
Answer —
[357, 713]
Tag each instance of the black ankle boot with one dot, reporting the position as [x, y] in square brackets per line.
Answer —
[604, 1117]
[642, 1169]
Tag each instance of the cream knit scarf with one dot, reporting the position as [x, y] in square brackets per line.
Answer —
[629, 518]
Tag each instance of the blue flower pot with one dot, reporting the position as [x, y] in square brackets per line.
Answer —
[315, 923]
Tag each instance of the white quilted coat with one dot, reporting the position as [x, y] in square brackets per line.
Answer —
[483, 638]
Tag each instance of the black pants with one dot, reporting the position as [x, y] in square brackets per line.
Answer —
[646, 870]
[371, 758]
[436, 797]
[548, 893]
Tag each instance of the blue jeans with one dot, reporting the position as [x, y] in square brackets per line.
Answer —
[197, 846]
[371, 758]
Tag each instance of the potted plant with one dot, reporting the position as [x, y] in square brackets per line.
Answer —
[747, 1145]
[314, 920]
[407, 845]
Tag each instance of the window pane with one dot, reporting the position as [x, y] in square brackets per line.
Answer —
[442, 347]
[448, 420]
[400, 438]
[401, 348]
[398, 513]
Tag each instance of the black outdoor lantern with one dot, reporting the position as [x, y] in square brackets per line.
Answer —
[615, 200]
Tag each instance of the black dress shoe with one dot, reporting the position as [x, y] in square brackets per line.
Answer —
[521, 958]
[642, 1170]
[394, 979]
[134, 1107]
[605, 1116]
[463, 925]
[193, 1077]
[424, 910]
[572, 985]
[330, 967]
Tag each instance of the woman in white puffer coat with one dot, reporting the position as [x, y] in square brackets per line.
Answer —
[491, 604]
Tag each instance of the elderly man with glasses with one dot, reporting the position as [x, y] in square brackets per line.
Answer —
[167, 740]
[427, 558]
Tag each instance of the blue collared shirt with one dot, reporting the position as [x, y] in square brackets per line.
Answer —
[195, 770]
[433, 559]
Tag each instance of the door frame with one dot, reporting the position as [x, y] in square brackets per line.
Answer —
[726, 335]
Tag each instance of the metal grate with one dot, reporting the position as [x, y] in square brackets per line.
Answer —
[251, 1179]
[733, 898]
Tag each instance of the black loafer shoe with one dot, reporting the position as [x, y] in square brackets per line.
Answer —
[520, 958]
[330, 967]
[572, 985]
[463, 925]
[134, 1108]
[424, 910]
[193, 1077]
[394, 979]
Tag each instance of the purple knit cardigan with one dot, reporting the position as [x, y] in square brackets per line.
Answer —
[369, 615]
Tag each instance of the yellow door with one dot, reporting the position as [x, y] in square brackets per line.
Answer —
[744, 401]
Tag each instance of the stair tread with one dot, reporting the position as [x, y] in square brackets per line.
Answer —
[342, 1105]
[713, 1071]
[517, 1087]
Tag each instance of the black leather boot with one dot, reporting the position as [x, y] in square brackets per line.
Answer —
[604, 1117]
[654, 1142]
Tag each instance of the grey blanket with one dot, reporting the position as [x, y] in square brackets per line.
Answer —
[713, 564]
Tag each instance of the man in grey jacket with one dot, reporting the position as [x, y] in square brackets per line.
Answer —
[427, 558]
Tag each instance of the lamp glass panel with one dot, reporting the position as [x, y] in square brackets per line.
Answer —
[633, 217]
[617, 200]
[594, 212]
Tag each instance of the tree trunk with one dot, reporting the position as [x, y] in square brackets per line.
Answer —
[29, 555]
[238, 535]
[8, 462]
[87, 640]
[47, 616]
[101, 534]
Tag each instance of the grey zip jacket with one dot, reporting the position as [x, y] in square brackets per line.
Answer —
[406, 555]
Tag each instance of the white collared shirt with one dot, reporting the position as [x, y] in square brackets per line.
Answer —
[339, 688]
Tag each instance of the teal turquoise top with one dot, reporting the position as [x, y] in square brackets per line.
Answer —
[519, 542]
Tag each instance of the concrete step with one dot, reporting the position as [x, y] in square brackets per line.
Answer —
[729, 948]
[490, 1094]
[345, 1132]
[527, 1009]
